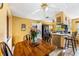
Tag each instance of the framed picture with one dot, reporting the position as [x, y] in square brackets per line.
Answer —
[23, 27]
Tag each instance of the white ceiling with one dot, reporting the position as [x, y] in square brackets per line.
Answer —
[33, 10]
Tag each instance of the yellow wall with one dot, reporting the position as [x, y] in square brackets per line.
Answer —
[16, 28]
[74, 24]
[3, 18]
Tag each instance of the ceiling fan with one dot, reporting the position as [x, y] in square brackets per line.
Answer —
[44, 8]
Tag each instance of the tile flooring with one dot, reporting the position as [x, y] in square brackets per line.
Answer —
[77, 53]
[66, 52]
[69, 52]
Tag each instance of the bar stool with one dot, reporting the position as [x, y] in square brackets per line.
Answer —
[70, 41]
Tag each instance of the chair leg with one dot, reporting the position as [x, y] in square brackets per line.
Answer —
[65, 43]
[73, 46]
[68, 44]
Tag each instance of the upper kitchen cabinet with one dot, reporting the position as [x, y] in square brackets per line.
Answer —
[63, 22]
[61, 18]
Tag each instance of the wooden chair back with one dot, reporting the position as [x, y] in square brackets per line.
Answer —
[5, 49]
[27, 38]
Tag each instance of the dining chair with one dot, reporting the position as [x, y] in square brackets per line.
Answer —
[5, 49]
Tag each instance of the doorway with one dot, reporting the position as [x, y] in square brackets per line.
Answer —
[45, 30]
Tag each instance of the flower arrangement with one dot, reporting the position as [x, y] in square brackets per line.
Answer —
[33, 34]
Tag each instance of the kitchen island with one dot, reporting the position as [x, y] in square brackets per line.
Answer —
[58, 39]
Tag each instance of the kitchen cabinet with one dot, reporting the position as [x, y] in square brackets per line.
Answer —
[58, 40]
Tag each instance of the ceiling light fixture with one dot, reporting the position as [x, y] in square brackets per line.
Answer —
[44, 6]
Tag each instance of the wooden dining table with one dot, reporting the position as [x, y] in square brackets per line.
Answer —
[33, 49]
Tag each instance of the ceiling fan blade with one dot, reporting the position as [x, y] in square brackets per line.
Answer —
[54, 7]
[36, 11]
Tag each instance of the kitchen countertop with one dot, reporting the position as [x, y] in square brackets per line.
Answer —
[63, 34]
